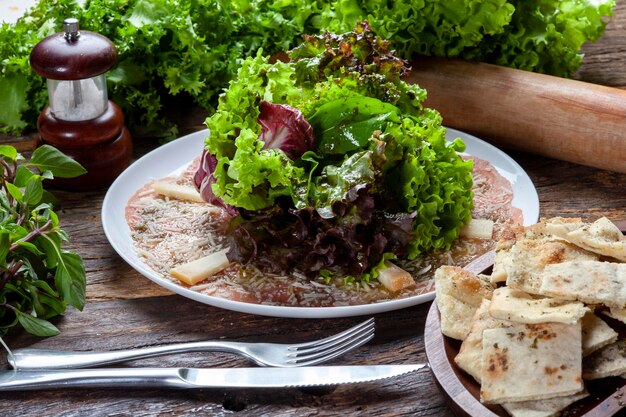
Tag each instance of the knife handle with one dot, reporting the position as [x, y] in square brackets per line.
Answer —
[556, 117]
[102, 378]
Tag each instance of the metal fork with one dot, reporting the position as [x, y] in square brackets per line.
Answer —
[264, 354]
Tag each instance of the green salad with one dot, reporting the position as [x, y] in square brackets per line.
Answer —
[330, 163]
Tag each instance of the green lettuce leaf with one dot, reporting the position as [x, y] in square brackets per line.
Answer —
[545, 36]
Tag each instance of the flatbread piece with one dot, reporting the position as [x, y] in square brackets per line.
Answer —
[458, 293]
[551, 364]
[470, 354]
[592, 282]
[521, 307]
[609, 361]
[596, 333]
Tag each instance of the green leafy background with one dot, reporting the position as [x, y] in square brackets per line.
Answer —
[190, 49]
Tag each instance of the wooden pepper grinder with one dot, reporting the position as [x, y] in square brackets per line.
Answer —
[80, 120]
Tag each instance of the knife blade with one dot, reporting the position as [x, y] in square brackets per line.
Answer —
[189, 378]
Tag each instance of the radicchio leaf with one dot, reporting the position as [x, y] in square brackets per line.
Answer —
[285, 128]
[203, 178]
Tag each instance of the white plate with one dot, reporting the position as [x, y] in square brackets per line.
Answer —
[176, 155]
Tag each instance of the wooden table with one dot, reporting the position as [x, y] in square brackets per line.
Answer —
[126, 310]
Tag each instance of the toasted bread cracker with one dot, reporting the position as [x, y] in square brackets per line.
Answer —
[608, 361]
[561, 226]
[531, 254]
[602, 236]
[596, 333]
[544, 408]
[470, 354]
[458, 294]
[455, 316]
[501, 264]
[592, 282]
[551, 365]
[462, 285]
[616, 313]
[521, 307]
[508, 237]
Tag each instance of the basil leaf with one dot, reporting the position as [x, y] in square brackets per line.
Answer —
[8, 152]
[45, 302]
[4, 201]
[36, 326]
[30, 247]
[22, 175]
[33, 191]
[4, 247]
[15, 192]
[48, 158]
[70, 279]
[50, 249]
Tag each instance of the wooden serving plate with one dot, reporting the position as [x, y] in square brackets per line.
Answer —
[607, 396]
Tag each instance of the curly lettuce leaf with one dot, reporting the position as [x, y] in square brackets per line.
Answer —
[247, 174]
[442, 28]
[545, 36]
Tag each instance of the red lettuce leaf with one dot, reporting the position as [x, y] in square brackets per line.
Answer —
[283, 239]
[285, 128]
[203, 178]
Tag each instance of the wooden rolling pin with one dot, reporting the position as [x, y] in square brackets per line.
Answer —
[555, 117]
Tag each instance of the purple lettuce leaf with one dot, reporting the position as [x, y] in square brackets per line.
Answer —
[282, 238]
[203, 178]
[285, 128]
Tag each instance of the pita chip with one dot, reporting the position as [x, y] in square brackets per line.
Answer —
[608, 361]
[551, 365]
[592, 282]
[561, 226]
[616, 313]
[602, 236]
[544, 408]
[458, 294]
[501, 263]
[455, 316]
[520, 307]
[470, 354]
[462, 285]
[529, 257]
[596, 333]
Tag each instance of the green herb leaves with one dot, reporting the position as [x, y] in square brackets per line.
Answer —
[38, 278]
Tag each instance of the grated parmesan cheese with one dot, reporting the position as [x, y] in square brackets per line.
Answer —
[169, 232]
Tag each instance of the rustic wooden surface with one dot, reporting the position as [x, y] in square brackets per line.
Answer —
[125, 310]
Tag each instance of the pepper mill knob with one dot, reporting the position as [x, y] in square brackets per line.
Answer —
[70, 25]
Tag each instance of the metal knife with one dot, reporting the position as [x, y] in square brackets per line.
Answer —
[187, 378]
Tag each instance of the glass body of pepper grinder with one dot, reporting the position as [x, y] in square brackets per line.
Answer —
[80, 120]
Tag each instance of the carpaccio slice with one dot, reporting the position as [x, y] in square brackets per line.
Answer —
[168, 232]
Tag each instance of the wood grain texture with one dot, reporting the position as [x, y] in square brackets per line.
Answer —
[550, 116]
[125, 310]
